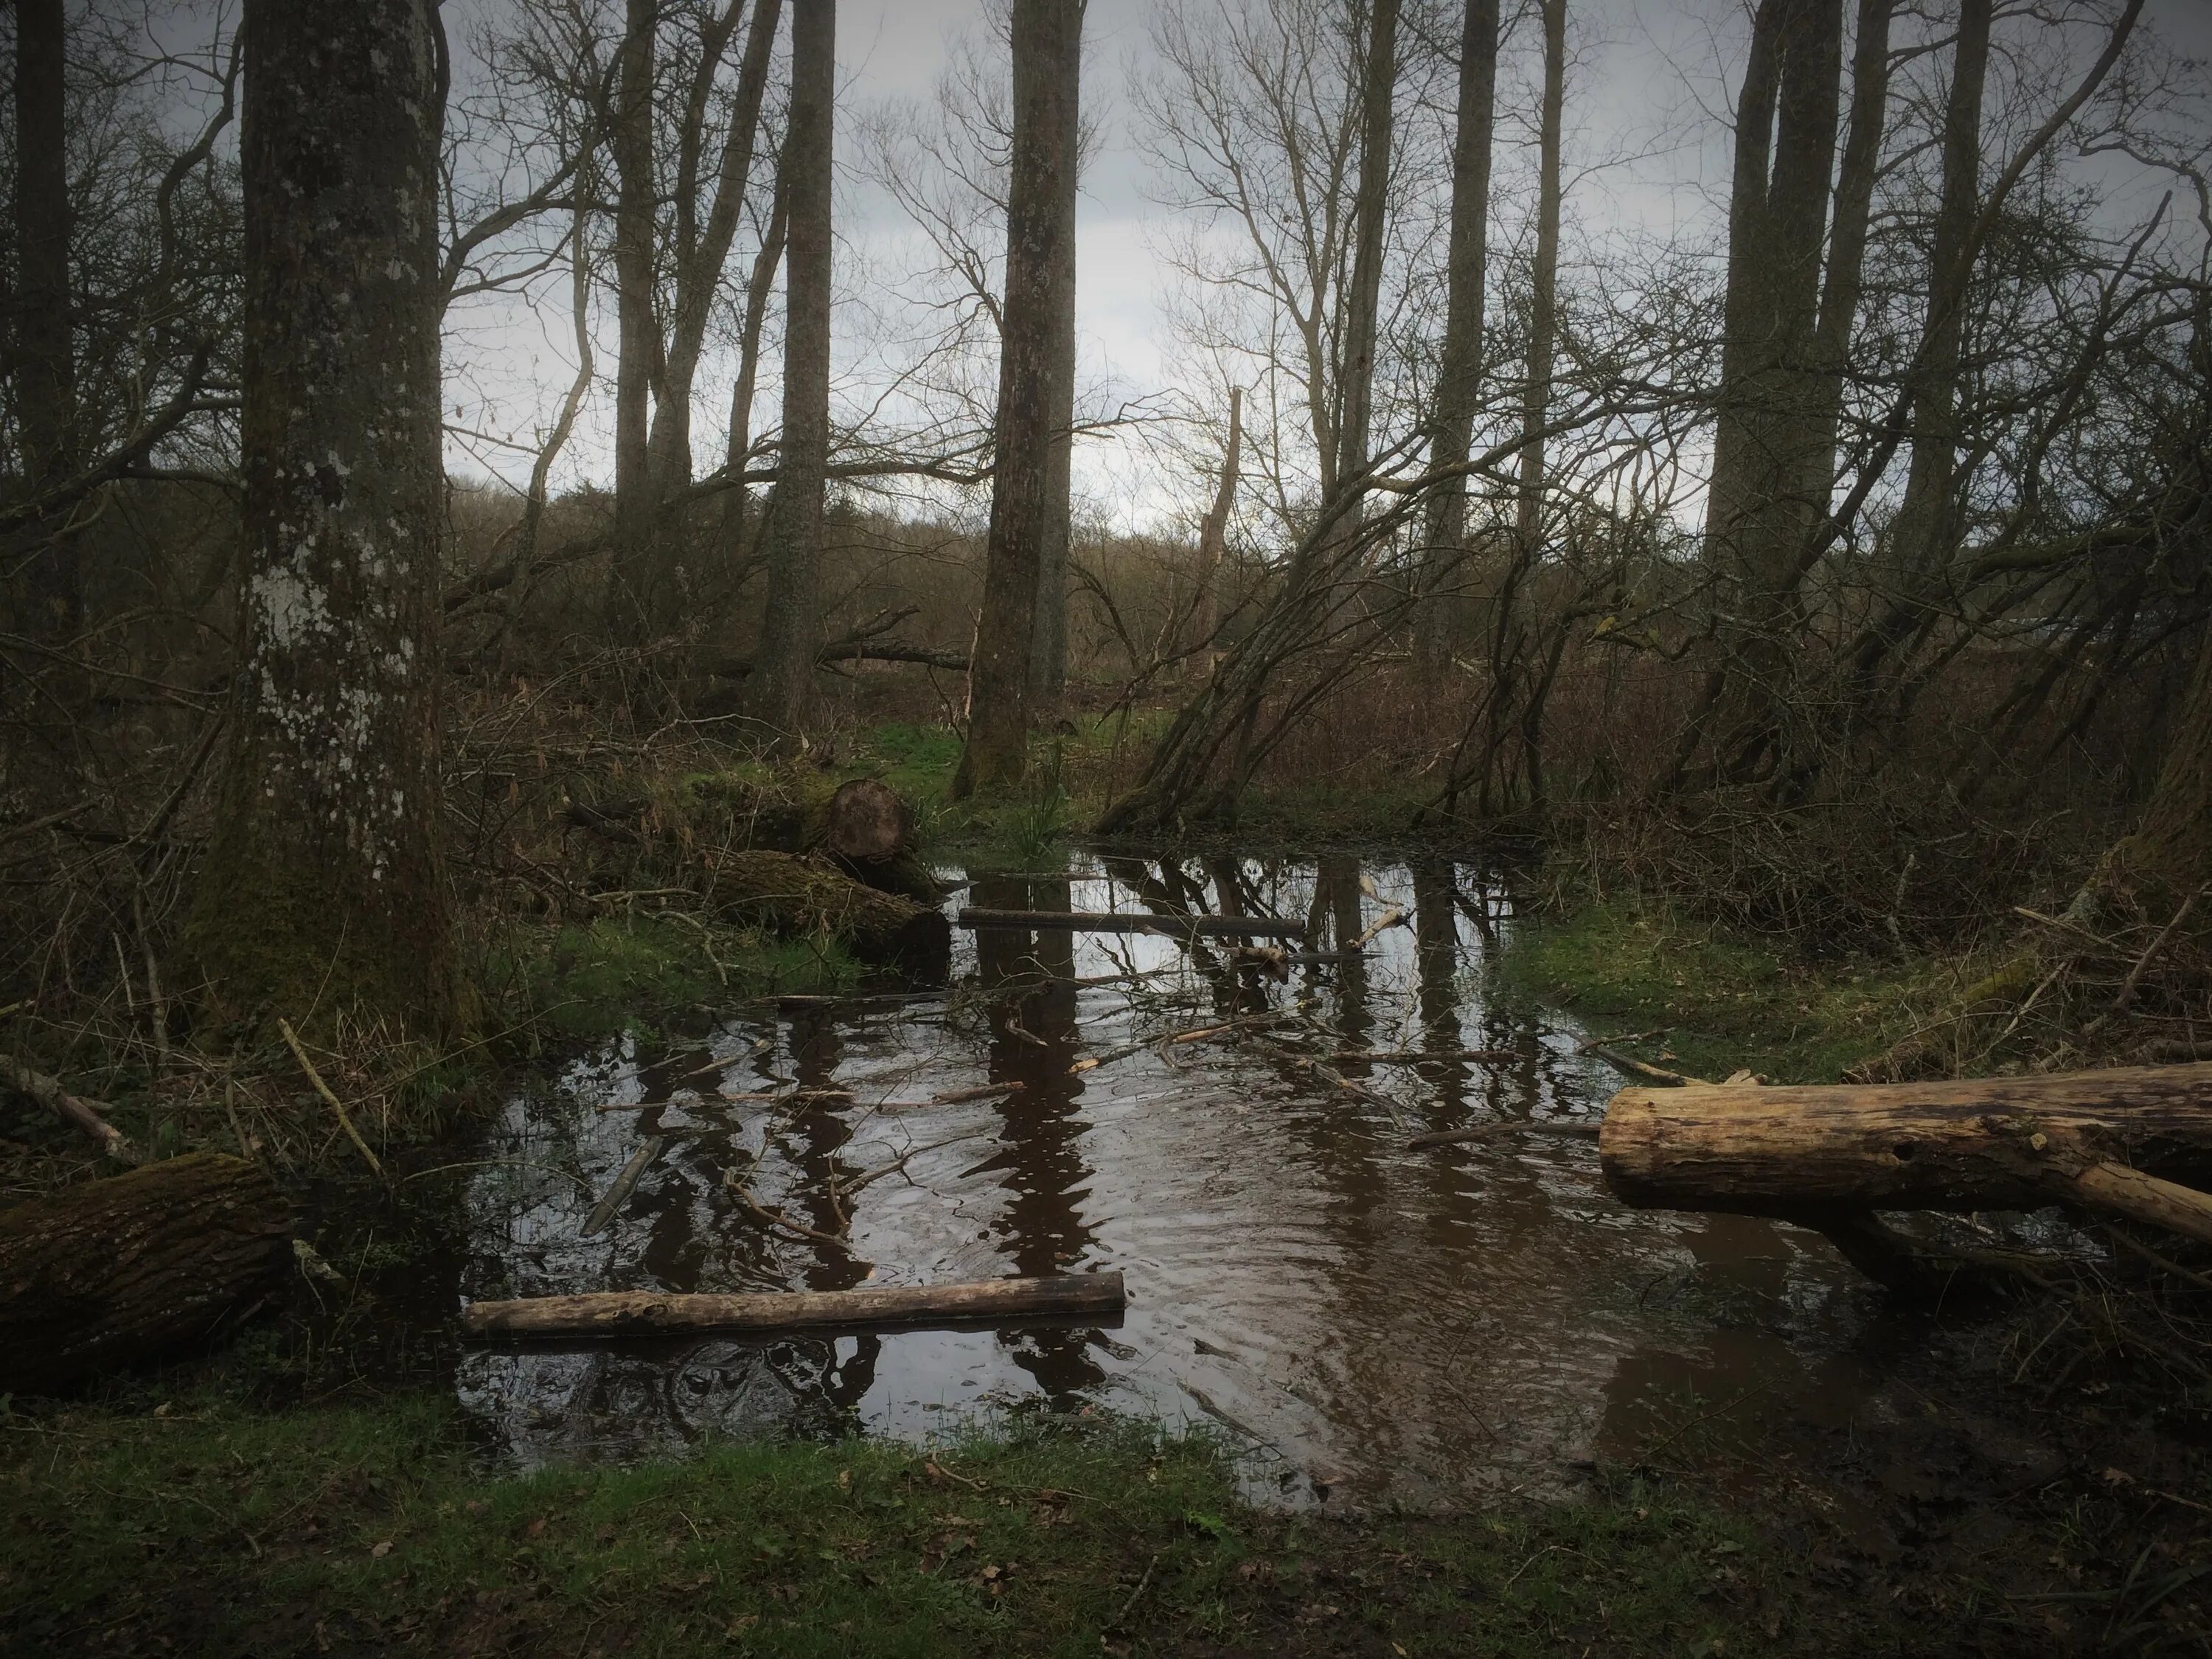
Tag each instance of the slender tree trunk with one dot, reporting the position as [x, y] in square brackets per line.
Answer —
[780, 693]
[631, 590]
[757, 288]
[1049, 665]
[1839, 295]
[1437, 626]
[1213, 531]
[1371, 206]
[1543, 282]
[699, 265]
[45, 369]
[1924, 521]
[323, 890]
[1034, 339]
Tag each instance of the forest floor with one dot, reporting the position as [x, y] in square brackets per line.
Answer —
[188, 1523]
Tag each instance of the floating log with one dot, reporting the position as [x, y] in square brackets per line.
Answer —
[99, 1275]
[2137, 1140]
[631, 1313]
[1129, 921]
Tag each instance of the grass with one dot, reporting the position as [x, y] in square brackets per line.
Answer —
[617, 973]
[210, 1529]
[1723, 1001]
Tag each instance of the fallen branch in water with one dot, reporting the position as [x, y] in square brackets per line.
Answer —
[617, 1313]
[625, 1183]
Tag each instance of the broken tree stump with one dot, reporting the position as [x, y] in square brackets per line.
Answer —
[636, 1313]
[99, 1275]
[2135, 1140]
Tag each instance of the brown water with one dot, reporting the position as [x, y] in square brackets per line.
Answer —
[1372, 1322]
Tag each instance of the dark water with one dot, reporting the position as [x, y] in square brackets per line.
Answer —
[1373, 1323]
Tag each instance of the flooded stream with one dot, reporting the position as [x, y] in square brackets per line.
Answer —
[1369, 1321]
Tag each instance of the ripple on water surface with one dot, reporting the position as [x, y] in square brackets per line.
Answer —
[1372, 1322]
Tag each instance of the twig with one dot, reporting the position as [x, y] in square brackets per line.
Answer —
[2142, 963]
[78, 1114]
[292, 1042]
[625, 1183]
[1129, 1606]
[1490, 1131]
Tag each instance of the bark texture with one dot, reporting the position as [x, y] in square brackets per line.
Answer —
[620, 1313]
[1459, 373]
[1036, 339]
[1999, 1143]
[780, 693]
[1048, 646]
[323, 887]
[45, 356]
[1543, 284]
[102, 1274]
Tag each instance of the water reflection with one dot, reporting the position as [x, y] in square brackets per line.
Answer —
[1372, 1321]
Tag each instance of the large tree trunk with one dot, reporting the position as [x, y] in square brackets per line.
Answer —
[1458, 375]
[631, 588]
[780, 693]
[1994, 1144]
[45, 358]
[1036, 340]
[1758, 514]
[323, 888]
[99, 1275]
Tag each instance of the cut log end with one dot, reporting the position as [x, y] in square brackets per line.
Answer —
[868, 822]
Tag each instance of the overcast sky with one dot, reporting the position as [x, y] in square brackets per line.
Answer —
[1648, 94]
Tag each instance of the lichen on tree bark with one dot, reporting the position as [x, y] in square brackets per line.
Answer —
[323, 888]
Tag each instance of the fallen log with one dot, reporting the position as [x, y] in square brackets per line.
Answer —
[629, 1313]
[798, 896]
[1129, 921]
[2136, 1140]
[99, 1275]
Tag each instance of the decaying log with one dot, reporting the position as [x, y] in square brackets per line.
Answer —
[2136, 1141]
[1131, 922]
[629, 1313]
[77, 1113]
[868, 821]
[99, 1275]
[798, 896]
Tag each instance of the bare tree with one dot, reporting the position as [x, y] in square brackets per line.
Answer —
[1036, 344]
[1378, 80]
[323, 891]
[781, 690]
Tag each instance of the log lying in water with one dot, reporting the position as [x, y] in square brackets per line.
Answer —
[797, 897]
[2136, 1140]
[1129, 921]
[98, 1275]
[631, 1313]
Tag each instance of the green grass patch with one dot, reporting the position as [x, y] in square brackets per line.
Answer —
[594, 980]
[214, 1530]
[1723, 1001]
